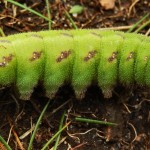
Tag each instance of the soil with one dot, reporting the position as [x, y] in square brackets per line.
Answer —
[128, 107]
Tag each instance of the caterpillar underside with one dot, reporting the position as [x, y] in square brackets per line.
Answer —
[78, 57]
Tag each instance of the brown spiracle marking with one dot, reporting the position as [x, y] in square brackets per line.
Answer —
[131, 55]
[90, 55]
[6, 60]
[35, 56]
[63, 55]
[145, 58]
[113, 56]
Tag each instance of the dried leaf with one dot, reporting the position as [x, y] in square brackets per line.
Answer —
[107, 4]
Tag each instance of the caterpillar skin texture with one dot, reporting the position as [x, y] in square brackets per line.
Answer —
[78, 57]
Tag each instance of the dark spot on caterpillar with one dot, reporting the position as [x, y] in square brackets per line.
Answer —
[80, 94]
[63, 55]
[5, 41]
[6, 60]
[130, 56]
[2, 64]
[90, 55]
[66, 34]
[113, 56]
[36, 35]
[145, 58]
[35, 56]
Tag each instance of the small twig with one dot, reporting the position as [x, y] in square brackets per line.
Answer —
[61, 141]
[17, 103]
[128, 110]
[75, 138]
[148, 32]
[132, 5]
[148, 118]
[83, 133]
[35, 4]
[17, 139]
[78, 146]
[27, 133]
[140, 103]
[118, 28]
[16, 135]
[9, 134]
[134, 131]
[145, 99]
[58, 108]
[108, 134]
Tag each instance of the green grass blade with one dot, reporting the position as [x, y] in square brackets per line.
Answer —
[5, 143]
[37, 126]
[71, 20]
[60, 127]
[29, 9]
[95, 121]
[142, 26]
[51, 140]
[49, 14]
[136, 24]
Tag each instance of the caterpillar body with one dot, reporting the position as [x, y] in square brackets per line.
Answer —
[78, 57]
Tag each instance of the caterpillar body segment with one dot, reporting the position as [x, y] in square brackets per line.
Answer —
[7, 72]
[29, 65]
[108, 63]
[141, 62]
[127, 60]
[58, 62]
[78, 57]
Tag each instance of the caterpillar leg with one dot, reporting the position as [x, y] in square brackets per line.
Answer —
[30, 63]
[85, 63]
[107, 93]
[108, 65]
[58, 63]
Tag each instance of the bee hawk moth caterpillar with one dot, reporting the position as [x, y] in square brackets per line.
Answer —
[78, 57]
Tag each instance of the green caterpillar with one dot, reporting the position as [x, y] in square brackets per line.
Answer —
[78, 57]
